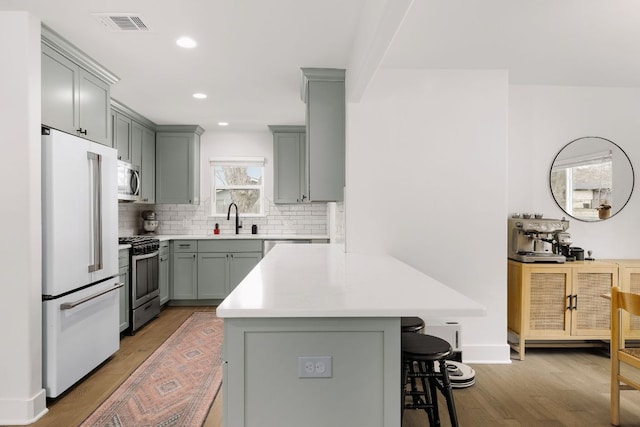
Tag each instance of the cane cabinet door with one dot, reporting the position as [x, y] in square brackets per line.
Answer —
[549, 292]
[591, 312]
[630, 282]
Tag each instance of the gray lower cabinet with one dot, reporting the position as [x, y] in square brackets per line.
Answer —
[178, 164]
[214, 270]
[185, 276]
[125, 294]
[289, 164]
[73, 99]
[212, 275]
[163, 272]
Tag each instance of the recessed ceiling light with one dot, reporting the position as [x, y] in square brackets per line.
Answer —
[186, 42]
[200, 95]
[223, 123]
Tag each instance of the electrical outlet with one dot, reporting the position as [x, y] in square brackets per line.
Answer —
[315, 367]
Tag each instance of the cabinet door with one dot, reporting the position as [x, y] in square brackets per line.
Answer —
[163, 278]
[125, 297]
[60, 92]
[289, 167]
[94, 106]
[592, 312]
[240, 264]
[325, 142]
[174, 172]
[185, 276]
[548, 303]
[630, 282]
[212, 275]
[148, 166]
[136, 144]
[123, 137]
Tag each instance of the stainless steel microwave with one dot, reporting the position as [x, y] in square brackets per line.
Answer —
[128, 182]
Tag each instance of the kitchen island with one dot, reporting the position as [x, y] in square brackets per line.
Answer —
[340, 309]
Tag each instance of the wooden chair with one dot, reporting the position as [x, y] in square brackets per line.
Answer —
[621, 301]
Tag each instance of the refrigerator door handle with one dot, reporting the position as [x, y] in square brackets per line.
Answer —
[70, 305]
[95, 179]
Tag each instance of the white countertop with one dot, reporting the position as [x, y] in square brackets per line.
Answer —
[244, 236]
[323, 281]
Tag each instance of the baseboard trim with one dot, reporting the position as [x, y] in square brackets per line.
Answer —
[22, 412]
[486, 354]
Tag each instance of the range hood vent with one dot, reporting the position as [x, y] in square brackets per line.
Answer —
[122, 22]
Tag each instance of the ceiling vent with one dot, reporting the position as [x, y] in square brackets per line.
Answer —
[122, 22]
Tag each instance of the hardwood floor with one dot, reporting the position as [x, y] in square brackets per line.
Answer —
[552, 387]
[76, 404]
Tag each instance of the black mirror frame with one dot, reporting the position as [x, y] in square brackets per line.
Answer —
[633, 179]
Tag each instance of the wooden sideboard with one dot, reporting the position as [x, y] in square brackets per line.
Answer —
[562, 304]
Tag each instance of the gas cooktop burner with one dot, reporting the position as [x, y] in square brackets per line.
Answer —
[140, 244]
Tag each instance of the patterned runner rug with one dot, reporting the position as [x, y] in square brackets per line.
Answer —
[175, 386]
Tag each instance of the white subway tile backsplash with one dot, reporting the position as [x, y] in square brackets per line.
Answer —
[309, 218]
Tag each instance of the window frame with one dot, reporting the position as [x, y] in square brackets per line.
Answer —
[238, 162]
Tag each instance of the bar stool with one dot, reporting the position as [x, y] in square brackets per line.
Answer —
[411, 324]
[423, 352]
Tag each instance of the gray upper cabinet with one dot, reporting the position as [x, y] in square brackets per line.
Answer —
[148, 166]
[75, 90]
[122, 137]
[178, 164]
[289, 161]
[323, 92]
[135, 139]
[143, 154]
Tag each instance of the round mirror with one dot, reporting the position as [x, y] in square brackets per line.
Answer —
[591, 178]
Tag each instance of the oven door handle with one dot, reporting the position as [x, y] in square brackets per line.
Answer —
[144, 256]
[70, 305]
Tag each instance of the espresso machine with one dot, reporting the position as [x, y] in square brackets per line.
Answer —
[538, 239]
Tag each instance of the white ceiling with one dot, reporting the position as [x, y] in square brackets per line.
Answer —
[250, 51]
[556, 42]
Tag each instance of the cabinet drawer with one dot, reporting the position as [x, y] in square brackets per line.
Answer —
[164, 247]
[123, 258]
[185, 246]
[230, 246]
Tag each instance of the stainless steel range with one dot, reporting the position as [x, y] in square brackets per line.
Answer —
[145, 292]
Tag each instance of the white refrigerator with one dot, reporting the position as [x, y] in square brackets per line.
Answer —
[80, 289]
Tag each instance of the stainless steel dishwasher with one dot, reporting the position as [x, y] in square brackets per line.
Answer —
[269, 244]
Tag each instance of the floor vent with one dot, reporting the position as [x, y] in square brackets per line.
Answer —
[122, 22]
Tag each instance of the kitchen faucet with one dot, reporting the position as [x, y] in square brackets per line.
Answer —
[238, 224]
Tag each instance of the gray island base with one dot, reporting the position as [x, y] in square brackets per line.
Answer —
[312, 337]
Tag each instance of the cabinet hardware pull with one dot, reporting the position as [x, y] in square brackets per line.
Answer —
[82, 131]
[194, 255]
[569, 302]
[575, 301]
[69, 305]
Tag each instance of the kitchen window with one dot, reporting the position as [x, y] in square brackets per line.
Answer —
[238, 180]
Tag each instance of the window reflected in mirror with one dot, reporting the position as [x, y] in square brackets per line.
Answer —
[591, 179]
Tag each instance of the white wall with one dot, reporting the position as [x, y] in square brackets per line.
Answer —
[542, 119]
[427, 183]
[22, 397]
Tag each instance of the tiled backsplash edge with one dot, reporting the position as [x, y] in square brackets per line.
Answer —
[307, 218]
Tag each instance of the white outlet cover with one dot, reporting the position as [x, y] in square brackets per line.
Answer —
[315, 367]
